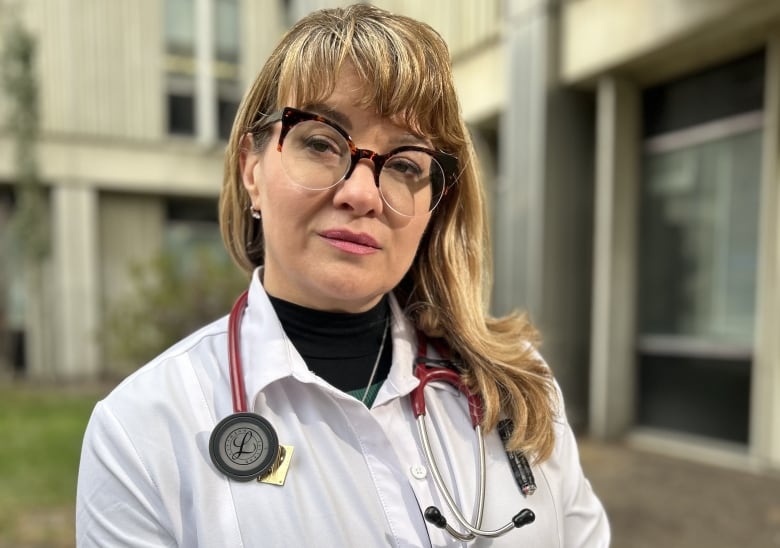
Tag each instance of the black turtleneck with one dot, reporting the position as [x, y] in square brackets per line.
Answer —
[341, 348]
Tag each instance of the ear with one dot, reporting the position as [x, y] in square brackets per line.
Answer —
[248, 160]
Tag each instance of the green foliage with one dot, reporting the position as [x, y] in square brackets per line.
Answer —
[29, 229]
[18, 78]
[171, 300]
[41, 431]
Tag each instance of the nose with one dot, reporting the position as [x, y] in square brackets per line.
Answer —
[358, 191]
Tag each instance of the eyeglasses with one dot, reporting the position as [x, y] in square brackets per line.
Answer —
[318, 154]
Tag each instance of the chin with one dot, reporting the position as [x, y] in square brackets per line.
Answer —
[352, 297]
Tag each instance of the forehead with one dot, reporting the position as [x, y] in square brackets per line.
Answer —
[340, 90]
[341, 94]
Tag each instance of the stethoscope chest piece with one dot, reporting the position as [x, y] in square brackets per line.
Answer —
[244, 446]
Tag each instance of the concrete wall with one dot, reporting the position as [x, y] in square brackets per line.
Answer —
[652, 40]
[765, 412]
[131, 228]
[101, 67]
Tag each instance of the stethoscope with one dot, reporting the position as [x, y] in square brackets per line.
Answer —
[443, 372]
[244, 446]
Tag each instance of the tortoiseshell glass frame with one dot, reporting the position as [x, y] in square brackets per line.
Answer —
[290, 116]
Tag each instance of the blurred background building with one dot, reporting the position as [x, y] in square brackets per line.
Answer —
[630, 149]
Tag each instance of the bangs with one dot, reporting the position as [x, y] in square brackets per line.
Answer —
[405, 75]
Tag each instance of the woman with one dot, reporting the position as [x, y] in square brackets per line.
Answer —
[352, 198]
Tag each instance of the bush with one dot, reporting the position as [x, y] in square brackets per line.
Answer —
[169, 301]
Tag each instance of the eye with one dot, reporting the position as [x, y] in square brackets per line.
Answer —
[321, 144]
[405, 167]
[318, 139]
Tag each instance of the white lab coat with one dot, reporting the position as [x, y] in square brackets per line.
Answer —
[357, 479]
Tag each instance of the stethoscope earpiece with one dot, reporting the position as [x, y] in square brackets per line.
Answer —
[244, 446]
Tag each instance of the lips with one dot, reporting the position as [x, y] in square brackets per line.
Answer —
[351, 242]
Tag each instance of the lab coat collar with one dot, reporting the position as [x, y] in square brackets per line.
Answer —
[400, 380]
[268, 355]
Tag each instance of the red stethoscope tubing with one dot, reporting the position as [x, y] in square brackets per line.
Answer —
[424, 373]
[237, 389]
[440, 374]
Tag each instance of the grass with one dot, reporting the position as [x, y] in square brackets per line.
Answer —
[41, 429]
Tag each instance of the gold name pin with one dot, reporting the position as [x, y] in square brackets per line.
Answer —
[278, 472]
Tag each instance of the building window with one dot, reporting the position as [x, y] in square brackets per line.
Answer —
[183, 68]
[226, 113]
[227, 58]
[180, 66]
[180, 27]
[181, 108]
[699, 250]
[191, 229]
[226, 31]
[13, 291]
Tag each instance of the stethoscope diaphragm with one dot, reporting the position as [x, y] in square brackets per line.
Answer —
[244, 446]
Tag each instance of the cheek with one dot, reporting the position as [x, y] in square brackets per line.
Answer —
[272, 189]
[411, 238]
[288, 211]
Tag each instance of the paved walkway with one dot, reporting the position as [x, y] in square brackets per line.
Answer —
[657, 501]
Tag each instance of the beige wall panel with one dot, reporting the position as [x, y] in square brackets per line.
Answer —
[599, 35]
[131, 232]
[464, 24]
[481, 81]
[262, 25]
[101, 66]
[176, 167]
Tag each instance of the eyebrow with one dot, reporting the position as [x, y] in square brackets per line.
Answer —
[331, 114]
[406, 138]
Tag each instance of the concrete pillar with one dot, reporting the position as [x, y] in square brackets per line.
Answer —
[36, 305]
[614, 271]
[39, 326]
[205, 82]
[519, 193]
[765, 398]
[543, 201]
[76, 280]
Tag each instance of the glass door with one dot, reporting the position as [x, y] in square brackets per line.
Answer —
[698, 254]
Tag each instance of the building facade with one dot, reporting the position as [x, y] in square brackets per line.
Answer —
[685, 306]
[630, 149]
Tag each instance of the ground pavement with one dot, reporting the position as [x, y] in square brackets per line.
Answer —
[659, 501]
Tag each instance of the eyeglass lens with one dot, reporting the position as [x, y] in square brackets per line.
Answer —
[316, 156]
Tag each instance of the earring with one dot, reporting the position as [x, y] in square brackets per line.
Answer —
[255, 213]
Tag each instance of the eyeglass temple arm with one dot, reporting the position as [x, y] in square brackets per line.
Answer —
[270, 120]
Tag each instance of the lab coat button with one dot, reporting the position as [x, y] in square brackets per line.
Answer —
[419, 471]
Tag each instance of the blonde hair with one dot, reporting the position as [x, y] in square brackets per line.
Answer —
[405, 67]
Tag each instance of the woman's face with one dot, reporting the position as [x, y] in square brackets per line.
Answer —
[342, 248]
